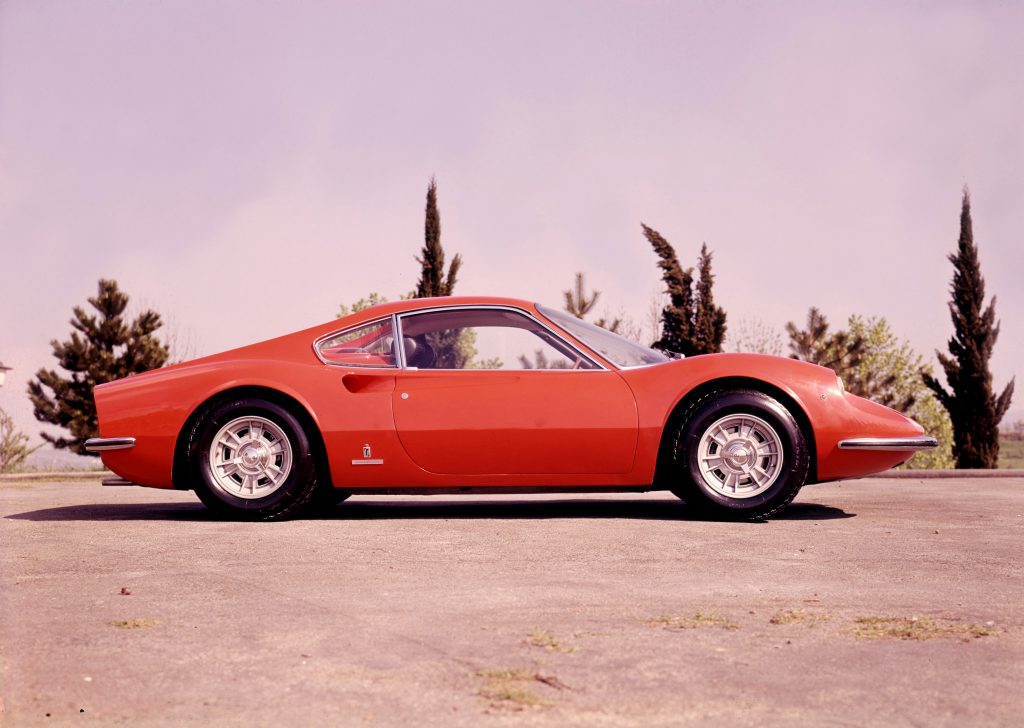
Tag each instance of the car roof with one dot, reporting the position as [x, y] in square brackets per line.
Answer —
[413, 304]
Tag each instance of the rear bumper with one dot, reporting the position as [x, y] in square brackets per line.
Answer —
[102, 444]
[904, 444]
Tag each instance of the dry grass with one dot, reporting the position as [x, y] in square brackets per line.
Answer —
[510, 688]
[133, 623]
[915, 628]
[1011, 452]
[798, 616]
[545, 640]
[699, 620]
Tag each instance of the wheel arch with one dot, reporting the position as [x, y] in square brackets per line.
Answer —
[179, 473]
[786, 399]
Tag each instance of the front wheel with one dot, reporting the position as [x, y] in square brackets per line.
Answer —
[250, 458]
[739, 454]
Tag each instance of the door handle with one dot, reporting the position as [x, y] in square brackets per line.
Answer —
[363, 383]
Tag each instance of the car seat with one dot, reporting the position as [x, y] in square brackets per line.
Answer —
[418, 353]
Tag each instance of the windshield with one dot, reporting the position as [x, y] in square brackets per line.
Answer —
[619, 351]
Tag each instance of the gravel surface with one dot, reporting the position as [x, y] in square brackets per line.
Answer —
[871, 602]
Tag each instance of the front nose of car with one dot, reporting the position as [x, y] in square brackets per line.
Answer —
[868, 437]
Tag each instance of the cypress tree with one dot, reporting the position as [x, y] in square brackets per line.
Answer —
[102, 348]
[454, 349]
[708, 319]
[973, 408]
[433, 281]
[677, 316]
[691, 323]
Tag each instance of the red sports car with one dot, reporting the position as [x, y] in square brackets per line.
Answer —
[488, 395]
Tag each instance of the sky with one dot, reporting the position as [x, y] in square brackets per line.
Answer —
[245, 167]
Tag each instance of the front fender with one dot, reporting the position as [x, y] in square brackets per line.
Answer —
[832, 414]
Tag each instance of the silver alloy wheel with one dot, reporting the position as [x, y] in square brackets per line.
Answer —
[250, 457]
[740, 456]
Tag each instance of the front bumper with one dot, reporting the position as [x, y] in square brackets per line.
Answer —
[904, 444]
[101, 444]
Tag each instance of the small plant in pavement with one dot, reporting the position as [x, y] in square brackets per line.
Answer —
[915, 628]
[699, 620]
[511, 687]
[798, 616]
[544, 639]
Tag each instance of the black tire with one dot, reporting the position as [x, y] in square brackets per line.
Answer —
[326, 498]
[288, 499]
[705, 492]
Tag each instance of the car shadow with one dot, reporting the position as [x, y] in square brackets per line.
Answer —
[120, 512]
[661, 510]
[358, 509]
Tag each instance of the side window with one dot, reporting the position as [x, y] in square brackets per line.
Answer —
[371, 345]
[484, 339]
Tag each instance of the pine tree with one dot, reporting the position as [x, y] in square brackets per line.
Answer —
[579, 305]
[101, 349]
[432, 280]
[576, 301]
[972, 406]
[708, 319]
[541, 361]
[849, 353]
[839, 351]
[614, 325]
[691, 323]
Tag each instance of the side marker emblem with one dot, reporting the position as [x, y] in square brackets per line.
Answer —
[368, 458]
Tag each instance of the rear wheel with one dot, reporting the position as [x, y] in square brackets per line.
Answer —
[739, 454]
[251, 459]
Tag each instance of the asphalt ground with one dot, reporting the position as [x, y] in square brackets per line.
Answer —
[871, 602]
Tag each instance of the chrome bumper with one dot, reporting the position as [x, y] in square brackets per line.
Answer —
[99, 444]
[889, 443]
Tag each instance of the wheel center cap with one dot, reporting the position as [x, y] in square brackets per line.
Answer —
[738, 454]
[250, 456]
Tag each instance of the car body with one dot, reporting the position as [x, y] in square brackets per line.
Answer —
[482, 394]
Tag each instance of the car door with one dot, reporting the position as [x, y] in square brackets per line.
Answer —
[490, 390]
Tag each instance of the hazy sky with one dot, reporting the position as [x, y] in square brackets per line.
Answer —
[244, 167]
